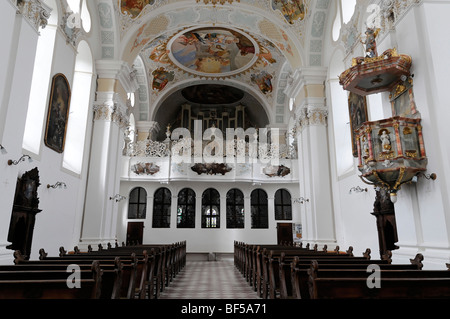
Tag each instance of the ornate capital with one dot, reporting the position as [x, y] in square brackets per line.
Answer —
[317, 115]
[111, 110]
[311, 112]
[35, 11]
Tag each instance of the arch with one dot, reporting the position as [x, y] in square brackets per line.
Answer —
[235, 208]
[259, 209]
[210, 208]
[137, 203]
[186, 208]
[162, 202]
[233, 83]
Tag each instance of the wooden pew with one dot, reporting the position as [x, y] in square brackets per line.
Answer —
[168, 261]
[127, 271]
[47, 284]
[395, 284]
[300, 268]
[279, 263]
[120, 273]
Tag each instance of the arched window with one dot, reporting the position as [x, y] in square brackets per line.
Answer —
[79, 109]
[340, 115]
[259, 207]
[211, 209]
[283, 205]
[40, 84]
[186, 209]
[162, 202]
[137, 204]
[344, 13]
[81, 10]
[235, 209]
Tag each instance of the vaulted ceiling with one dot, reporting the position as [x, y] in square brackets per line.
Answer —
[247, 45]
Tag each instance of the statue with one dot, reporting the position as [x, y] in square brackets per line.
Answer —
[385, 141]
[370, 42]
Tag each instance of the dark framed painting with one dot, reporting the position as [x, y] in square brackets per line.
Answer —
[58, 113]
[357, 107]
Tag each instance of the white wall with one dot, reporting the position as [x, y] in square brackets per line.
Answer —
[60, 220]
[202, 240]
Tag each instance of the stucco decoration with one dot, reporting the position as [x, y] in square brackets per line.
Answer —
[35, 11]
[291, 10]
[134, 7]
[107, 33]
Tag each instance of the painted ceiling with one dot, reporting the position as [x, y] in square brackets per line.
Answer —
[250, 45]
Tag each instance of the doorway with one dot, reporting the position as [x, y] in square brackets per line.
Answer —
[135, 233]
[284, 233]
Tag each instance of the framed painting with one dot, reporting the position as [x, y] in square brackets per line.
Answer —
[58, 113]
[357, 107]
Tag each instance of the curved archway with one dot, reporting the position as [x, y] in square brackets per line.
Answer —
[168, 106]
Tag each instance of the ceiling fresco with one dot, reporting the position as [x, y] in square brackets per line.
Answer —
[213, 51]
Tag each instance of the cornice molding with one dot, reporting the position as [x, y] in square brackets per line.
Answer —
[119, 70]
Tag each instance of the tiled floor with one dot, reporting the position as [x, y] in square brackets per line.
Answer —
[209, 280]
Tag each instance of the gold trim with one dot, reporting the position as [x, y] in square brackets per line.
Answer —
[400, 177]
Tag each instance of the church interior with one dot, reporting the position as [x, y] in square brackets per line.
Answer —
[211, 123]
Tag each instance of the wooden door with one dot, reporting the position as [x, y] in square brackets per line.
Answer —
[135, 233]
[284, 233]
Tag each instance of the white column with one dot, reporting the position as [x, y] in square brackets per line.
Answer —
[317, 215]
[110, 115]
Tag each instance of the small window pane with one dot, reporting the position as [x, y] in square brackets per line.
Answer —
[283, 206]
[211, 209]
[235, 209]
[137, 205]
[259, 209]
[162, 201]
[186, 209]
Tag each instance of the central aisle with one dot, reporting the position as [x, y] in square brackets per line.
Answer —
[209, 280]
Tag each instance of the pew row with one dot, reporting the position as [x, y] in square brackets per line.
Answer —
[127, 272]
[392, 284]
[285, 271]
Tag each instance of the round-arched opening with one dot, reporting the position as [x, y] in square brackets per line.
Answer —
[220, 105]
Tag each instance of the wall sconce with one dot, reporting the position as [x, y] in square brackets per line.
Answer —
[3, 149]
[22, 159]
[57, 185]
[357, 189]
[118, 198]
[300, 200]
[431, 176]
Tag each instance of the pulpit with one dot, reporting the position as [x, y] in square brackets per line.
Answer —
[391, 151]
